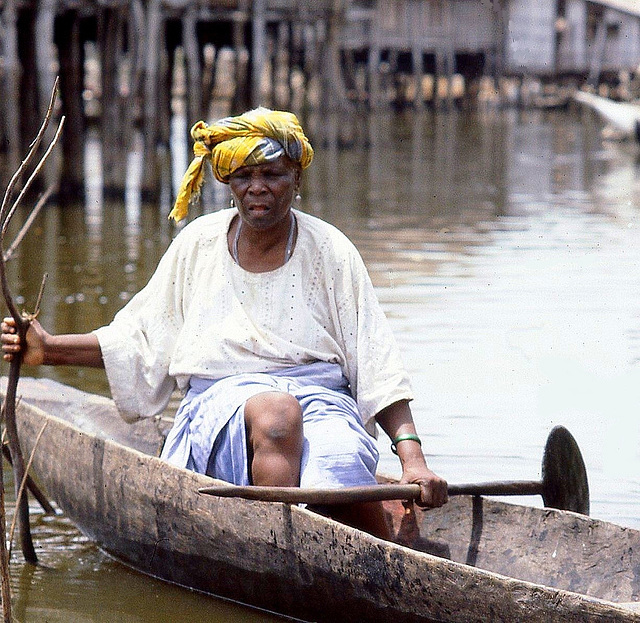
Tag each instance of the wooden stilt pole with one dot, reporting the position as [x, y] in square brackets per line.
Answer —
[150, 184]
[137, 43]
[165, 91]
[258, 52]
[210, 56]
[374, 63]
[597, 54]
[113, 142]
[44, 46]
[311, 65]
[242, 93]
[416, 59]
[193, 65]
[11, 94]
[29, 99]
[71, 56]
[334, 80]
[282, 90]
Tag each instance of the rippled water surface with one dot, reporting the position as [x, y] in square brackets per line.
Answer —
[505, 248]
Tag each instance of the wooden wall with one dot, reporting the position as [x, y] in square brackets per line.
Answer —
[530, 43]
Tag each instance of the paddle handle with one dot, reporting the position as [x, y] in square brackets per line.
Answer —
[509, 487]
[564, 484]
[367, 493]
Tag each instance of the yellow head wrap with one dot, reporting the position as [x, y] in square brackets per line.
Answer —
[256, 137]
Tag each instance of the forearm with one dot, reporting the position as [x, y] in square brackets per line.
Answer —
[73, 350]
[396, 421]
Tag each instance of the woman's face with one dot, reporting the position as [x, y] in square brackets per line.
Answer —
[264, 192]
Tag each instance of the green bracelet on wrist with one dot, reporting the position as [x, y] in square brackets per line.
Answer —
[406, 437]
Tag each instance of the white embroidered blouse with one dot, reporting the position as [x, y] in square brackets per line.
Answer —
[203, 315]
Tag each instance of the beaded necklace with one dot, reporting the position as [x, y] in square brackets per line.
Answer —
[288, 249]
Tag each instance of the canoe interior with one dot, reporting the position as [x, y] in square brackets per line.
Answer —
[547, 547]
[561, 549]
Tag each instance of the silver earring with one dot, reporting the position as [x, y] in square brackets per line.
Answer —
[298, 197]
[232, 203]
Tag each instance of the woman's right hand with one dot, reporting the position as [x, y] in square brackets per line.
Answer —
[33, 354]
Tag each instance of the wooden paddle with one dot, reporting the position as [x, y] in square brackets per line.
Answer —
[564, 484]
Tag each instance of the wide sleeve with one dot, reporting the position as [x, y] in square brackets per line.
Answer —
[374, 367]
[137, 346]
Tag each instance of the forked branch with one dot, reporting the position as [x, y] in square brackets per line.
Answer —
[14, 195]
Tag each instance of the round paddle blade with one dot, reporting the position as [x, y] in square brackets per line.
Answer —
[564, 476]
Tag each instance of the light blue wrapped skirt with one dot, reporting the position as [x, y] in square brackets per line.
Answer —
[208, 435]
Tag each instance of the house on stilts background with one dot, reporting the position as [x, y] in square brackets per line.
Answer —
[131, 65]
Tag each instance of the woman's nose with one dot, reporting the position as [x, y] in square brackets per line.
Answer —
[257, 184]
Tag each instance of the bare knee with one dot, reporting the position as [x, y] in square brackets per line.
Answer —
[274, 418]
[274, 438]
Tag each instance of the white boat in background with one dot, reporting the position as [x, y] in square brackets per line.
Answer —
[623, 118]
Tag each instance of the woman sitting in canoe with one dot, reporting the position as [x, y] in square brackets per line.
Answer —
[266, 318]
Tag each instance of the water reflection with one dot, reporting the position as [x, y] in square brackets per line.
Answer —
[77, 582]
[505, 247]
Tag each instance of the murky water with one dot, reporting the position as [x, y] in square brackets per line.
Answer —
[506, 251]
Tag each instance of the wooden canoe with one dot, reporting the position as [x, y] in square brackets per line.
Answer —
[475, 560]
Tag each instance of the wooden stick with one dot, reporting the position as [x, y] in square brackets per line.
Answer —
[37, 493]
[5, 578]
[24, 483]
[27, 224]
[366, 493]
[6, 217]
[28, 159]
[7, 210]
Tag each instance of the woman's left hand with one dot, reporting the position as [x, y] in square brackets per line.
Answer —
[397, 421]
[434, 490]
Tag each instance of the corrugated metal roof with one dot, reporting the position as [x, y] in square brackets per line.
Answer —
[632, 7]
